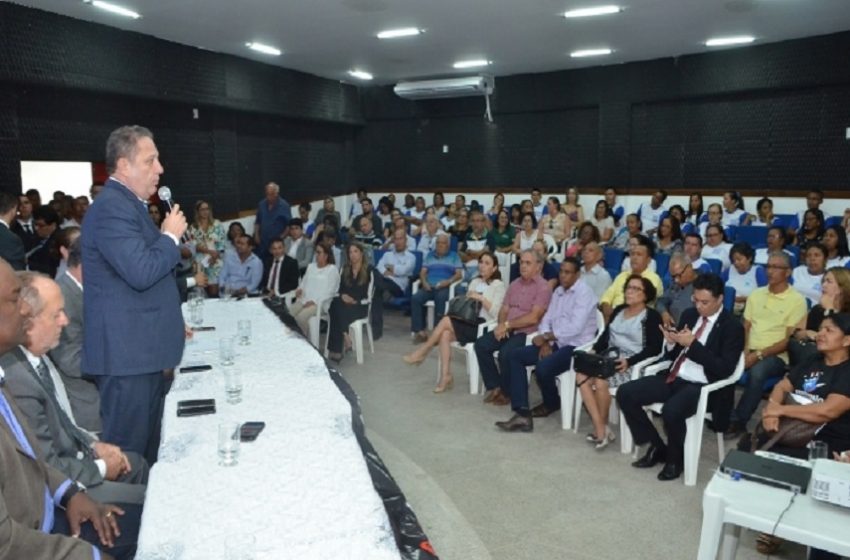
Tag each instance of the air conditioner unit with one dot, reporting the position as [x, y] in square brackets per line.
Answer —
[450, 87]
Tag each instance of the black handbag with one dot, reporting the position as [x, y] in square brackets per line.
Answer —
[596, 365]
[464, 309]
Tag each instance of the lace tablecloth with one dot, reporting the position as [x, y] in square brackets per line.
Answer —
[302, 488]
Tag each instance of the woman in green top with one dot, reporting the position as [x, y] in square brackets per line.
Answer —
[208, 235]
[503, 232]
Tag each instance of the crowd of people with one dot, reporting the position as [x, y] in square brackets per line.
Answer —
[538, 277]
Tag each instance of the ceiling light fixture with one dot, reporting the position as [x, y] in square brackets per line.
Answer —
[360, 74]
[725, 41]
[471, 63]
[396, 33]
[590, 52]
[112, 8]
[590, 12]
[265, 49]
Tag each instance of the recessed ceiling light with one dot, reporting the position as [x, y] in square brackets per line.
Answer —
[590, 12]
[265, 49]
[724, 41]
[590, 52]
[396, 33]
[360, 74]
[115, 9]
[471, 63]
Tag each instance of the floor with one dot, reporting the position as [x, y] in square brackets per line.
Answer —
[482, 494]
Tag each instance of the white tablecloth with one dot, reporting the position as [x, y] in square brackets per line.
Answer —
[302, 489]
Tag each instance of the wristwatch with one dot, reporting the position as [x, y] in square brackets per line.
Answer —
[507, 325]
[74, 489]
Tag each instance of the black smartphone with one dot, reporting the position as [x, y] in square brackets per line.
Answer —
[196, 407]
[193, 369]
[202, 329]
[250, 430]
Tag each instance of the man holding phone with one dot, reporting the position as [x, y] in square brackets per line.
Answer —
[705, 348]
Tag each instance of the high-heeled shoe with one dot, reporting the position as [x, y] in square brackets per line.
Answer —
[609, 438]
[443, 388]
[412, 361]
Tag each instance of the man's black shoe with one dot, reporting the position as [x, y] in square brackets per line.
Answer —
[542, 411]
[517, 424]
[652, 457]
[671, 471]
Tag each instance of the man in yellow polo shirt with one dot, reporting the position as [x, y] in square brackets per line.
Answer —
[640, 255]
[769, 319]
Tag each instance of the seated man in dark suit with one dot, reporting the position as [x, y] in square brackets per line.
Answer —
[82, 391]
[45, 257]
[38, 504]
[33, 380]
[11, 246]
[705, 348]
[280, 271]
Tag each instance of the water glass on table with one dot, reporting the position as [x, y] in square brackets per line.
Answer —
[228, 444]
[233, 385]
[196, 313]
[240, 547]
[226, 352]
[244, 329]
[818, 450]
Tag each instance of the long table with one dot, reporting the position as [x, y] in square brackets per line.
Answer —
[302, 489]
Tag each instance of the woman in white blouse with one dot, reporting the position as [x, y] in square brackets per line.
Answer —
[603, 220]
[808, 278]
[835, 241]
[319, 285]
[555, 223]
[486, 288]
[716, 246]
[529, 233]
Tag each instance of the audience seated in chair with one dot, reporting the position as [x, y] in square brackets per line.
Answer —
[318, 286]
[82, 390]
[716, 246]
[811, 228]
[743, 275]
[569, 322]
[297, 245]
[440, 269]
[641, 255]
[550, 269]
[428, 240]
[714, 216]
[37, 501]
[356, 287]
[764, 215]
[807, 277]
[328, 210]
[704, 346]
[525, 303]
[280, 271]
[835, 298]
[634, 329]
[733, 210]
[632, 227]
[668, 238]
[587, 233]
[243, 270]
[678, 296]
[777, 240]
[555, 223]
[650, 214]
[837, 251]
[593, 272]
[617, 210]
[109, 474]
[478, 241]
[209, 237]
[771, 314]
[814, 199]
[488, 289]
[693, 249]
[603, 219]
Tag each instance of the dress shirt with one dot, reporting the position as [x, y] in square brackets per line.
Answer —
[675, 300]
[293, 247]
[597, 278]
[27, 225]
[571, 315]
[274, 275]
[690, 370]
[403, 264]
[236, 274]
[427, 242]
[772, 316]
[523, 295]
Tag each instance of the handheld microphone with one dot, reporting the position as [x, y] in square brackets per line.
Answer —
[165, 195]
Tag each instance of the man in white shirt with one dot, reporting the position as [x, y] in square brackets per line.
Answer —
[704, 348]
[693, 249]
[396, 267]
[537, 203]
[109, 473]
[650, 214]
[592, 271]
[297, 245]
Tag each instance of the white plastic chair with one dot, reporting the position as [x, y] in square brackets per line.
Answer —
[471, 359]
[614, 414]
[567, 380]
[322, 307]
[355, 331]
[696, 423]
[429, 305]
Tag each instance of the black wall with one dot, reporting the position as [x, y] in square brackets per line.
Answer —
[65, 84]
[764, 117]
[767, 117]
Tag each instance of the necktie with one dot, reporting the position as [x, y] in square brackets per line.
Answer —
[677, 365]
[70, 428]
[273, 277]
[27, 229]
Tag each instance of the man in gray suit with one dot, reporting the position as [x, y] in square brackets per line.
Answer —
[109, 474]
[297, 245]
[82, 391]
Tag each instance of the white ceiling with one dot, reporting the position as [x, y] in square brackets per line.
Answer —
[329, 37]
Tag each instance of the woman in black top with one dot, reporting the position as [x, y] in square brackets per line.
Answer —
[835, 297]
[355, 290]
[461, 228]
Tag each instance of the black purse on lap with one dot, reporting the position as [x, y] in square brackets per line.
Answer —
[596, 365]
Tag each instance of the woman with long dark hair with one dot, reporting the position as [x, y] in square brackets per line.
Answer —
[355, 291]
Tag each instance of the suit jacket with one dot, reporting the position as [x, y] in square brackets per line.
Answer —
[58, 447]
[12, 249]
[288, 278]
[30, 239]
[718, 357]
[131, 306]
[45, 256]
[22, 482]
[304, 253]
[82, 392]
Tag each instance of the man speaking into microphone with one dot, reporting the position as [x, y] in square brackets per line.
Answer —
[131, 306]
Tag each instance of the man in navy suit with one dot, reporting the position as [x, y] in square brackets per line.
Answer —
[131, 306]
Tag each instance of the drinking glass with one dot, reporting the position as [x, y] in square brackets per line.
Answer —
[228, 444]
[233, 385]
[818, 450]
[240, 547]
[226, 353]
[196, 313]
[244, 327]
[226, 293]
